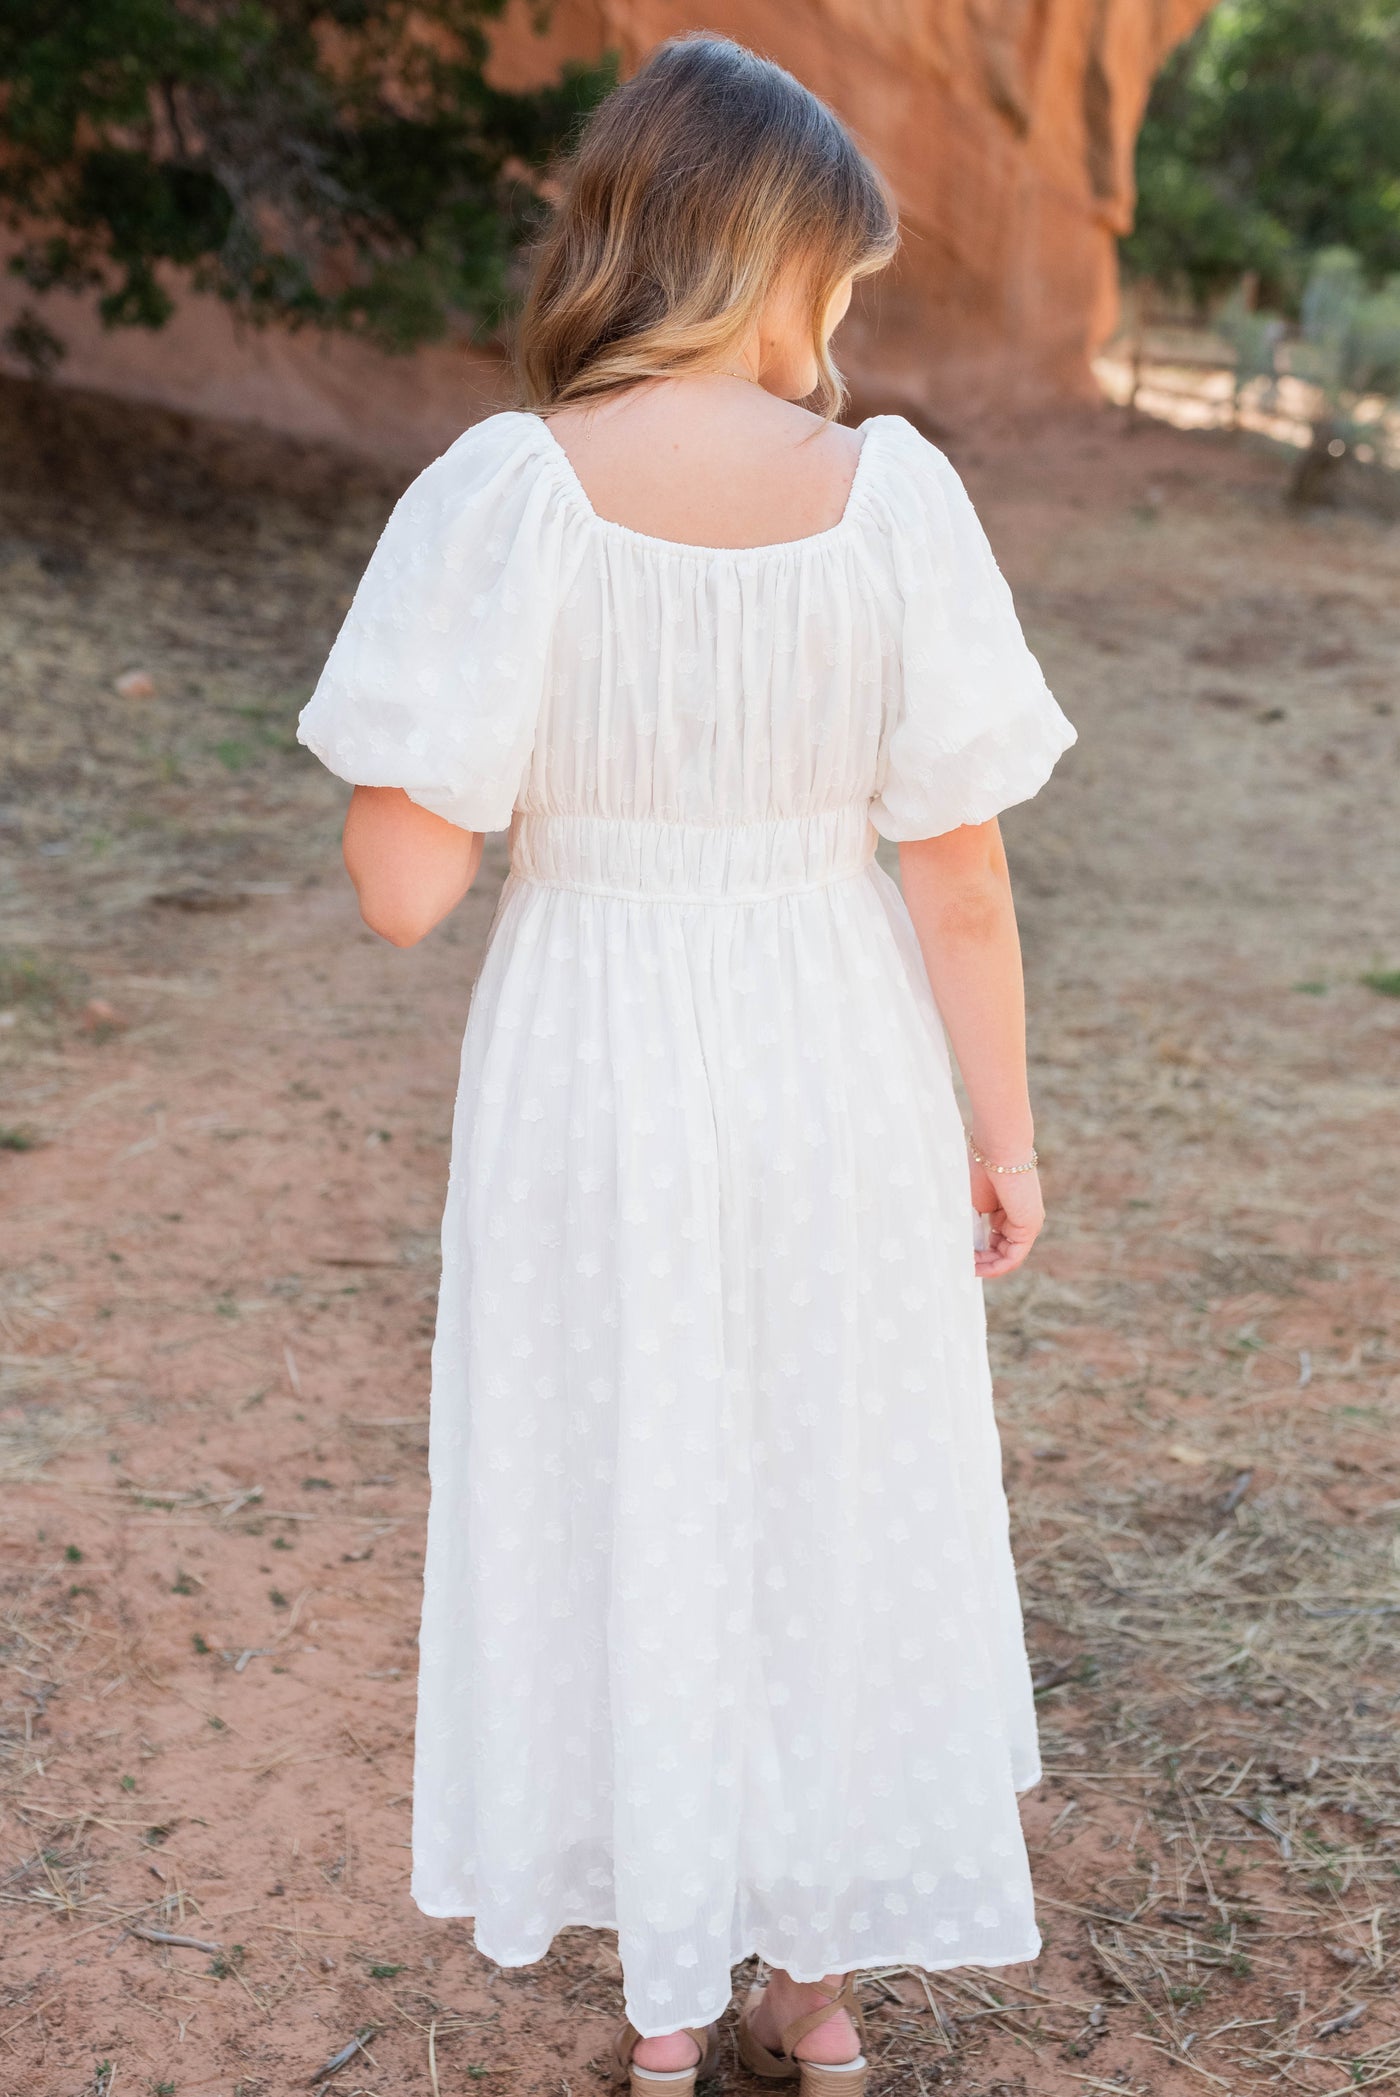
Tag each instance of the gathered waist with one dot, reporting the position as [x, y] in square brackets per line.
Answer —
[647, 860]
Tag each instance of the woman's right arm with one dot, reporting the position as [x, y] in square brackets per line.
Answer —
[409, 867]
[958, 892]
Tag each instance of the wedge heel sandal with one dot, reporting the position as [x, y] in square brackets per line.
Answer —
[820, 2079]
[665, 2082]
[814, 2078]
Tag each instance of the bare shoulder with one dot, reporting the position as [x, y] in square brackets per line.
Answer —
[803, 427]
[790, 422]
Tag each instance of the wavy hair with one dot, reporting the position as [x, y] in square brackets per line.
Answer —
[691, 192]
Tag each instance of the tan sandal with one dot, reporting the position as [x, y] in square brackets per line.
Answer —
[818, 2078]
[665, 2082]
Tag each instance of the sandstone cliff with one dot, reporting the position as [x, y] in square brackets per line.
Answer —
[1005, 126]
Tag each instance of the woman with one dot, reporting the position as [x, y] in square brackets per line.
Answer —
[720, 1640]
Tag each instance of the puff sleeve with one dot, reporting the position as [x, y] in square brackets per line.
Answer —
[435, 680]
[972, 727]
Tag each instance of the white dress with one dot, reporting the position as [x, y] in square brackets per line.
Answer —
[720, 1639]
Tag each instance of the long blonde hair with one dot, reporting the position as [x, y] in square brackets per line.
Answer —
[693, 188]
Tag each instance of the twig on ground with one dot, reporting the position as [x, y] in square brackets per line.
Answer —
[346, 2054]
[154, 1936]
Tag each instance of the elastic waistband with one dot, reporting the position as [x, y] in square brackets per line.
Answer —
[693, 862]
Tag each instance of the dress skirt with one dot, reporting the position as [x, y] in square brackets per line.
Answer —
[720, 1642]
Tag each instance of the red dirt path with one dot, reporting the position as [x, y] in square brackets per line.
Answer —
[220, 1259]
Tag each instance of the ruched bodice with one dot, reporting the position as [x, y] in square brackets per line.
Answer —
[509, 648]
[720, 1640]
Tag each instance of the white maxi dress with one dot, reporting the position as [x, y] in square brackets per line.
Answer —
[720, 1640]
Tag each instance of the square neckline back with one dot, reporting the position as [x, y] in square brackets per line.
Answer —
[573, 486]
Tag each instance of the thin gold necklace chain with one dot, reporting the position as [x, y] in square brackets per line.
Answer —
[746, 376]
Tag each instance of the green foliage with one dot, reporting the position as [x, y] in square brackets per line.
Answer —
[1351, 334]
[342, 163]
[1347, 343]
[1255, 339]
[1349, 346]
[1272, 133]
[1349, 349]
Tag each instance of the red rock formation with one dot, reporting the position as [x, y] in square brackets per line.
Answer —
[1005, 126]
[1007, 129]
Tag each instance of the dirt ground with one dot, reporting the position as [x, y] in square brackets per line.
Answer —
[225, 1119]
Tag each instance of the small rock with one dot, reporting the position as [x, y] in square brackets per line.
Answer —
[200, 898]
[135, 684]
[66, 563]
[98, 1017]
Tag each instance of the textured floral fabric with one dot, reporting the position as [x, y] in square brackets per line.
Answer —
[720, 1640]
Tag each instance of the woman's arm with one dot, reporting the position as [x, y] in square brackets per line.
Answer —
[958, 892]
[409, 867]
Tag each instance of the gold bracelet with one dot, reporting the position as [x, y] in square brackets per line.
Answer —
[987, 1166]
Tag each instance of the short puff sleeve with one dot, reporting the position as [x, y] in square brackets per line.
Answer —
[435, 679]
[973, 727]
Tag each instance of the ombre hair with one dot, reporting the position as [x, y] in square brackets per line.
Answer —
[692, 191]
